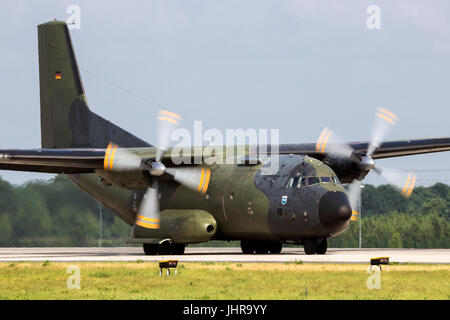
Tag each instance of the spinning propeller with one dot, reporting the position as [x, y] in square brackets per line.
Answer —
[122, 160]
[330, 144]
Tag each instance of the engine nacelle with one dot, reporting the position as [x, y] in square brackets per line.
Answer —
[347, 169]
[180, 226]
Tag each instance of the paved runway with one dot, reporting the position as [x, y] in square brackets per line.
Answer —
[429, 256]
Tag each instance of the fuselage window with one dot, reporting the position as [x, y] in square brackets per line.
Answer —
[313, 180]
[325, 179]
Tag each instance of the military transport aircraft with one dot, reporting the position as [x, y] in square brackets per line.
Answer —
[170, 205]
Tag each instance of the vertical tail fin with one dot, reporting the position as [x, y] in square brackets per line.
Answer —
[66, 121]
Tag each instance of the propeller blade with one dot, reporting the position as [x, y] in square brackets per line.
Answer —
[330, 143]
[120, 159]
[195, 178]
[384, 121]
[354, 195]
[403, 181]
[167, 122]
[148, 214]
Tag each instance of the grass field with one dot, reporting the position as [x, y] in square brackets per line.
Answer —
[141, 280]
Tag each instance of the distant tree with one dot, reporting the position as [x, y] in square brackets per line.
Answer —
[32, 218]
[8, 202]
[5, 229]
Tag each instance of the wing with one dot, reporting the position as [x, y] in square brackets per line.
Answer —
[398, 148]
[52, 160]
[388, 149]
[72, 161]
[69, 161]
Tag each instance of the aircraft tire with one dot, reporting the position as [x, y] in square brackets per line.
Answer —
[178, 248]
[275, 247]
[262, 247]
[150, 249]
[322, 247]
[247, 247]
[310, 246]
[165, 248]
[153, 249]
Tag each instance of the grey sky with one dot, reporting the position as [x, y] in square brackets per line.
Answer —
[294, 65]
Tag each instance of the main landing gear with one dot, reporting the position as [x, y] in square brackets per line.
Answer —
[260, 247]
[164, 248]
[313, 246]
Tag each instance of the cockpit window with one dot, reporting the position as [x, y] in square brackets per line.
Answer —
[296, 182]
[336, 180]
[301, 182]
[289, 183]
[325, 179]
[313, 180]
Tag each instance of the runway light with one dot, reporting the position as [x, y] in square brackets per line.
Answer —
[168, 264]
[379, 261]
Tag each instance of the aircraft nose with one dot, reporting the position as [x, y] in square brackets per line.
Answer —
[334, 209]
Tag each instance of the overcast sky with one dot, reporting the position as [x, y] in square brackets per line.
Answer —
[294, 65]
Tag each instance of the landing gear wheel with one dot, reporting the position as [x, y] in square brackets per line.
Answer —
[310, 246]
[275, 247]
[247, 247]
[178, 248]
[322, 247]
[151, 249]
[261, 248]
[165, 248]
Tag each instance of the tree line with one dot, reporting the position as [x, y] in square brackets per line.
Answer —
[57, 213]
[389, 220]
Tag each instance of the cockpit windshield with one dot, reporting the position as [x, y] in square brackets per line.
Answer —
[296, 182]
[300, 182]
[313, 180]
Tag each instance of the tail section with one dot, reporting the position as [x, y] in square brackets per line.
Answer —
[66, 121]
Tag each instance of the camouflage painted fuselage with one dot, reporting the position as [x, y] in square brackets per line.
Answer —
[245, 203]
